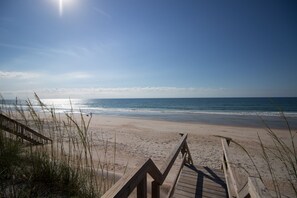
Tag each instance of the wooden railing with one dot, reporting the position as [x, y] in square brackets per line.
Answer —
[22, 131]
[138, 177]
[254, 186]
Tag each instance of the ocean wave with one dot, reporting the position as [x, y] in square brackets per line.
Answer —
[139, 111]
[156, 111]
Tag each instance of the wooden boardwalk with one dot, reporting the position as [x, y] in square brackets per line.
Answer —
[198, 181]
[190, 181]
[22, 131]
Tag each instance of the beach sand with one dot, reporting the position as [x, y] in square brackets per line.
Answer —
[137, 139]
[123, 142]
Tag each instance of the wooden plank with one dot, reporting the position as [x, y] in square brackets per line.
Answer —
[205, 189]
[231, 192]
[142, 188]
[205, 170]
[18, 134]
[205, 185]
[172, 157]
[205, 181]
[129, 181]
[198, 181]
[209, 183]
[19, 129]
[210, 177]
[257, 188]
[177, 176]
[183, 193]
[207, 174]
[202, 169]
[229, 168]
[244, 192]
[186, 186]
[190, 160]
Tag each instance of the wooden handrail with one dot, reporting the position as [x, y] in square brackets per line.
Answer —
[21, 127]
[169, 162]
[138, 177]
[254, 187]
[177, 176]
[228, 170]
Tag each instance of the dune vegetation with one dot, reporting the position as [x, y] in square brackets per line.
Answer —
[64, 168]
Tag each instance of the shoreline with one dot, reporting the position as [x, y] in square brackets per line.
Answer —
[246, 121]
[245, 112]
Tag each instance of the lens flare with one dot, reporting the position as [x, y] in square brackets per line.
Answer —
[61, 7]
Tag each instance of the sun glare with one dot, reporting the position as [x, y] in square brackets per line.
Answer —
[64, 3]
[61, 7]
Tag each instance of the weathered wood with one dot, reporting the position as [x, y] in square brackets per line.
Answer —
[130, 180]
[189, 158]
[229, 167]
[137, 176]
[172, 157]
[254, 187]
[257, 188]
[177, 176]
[231, 192]
[142, 188]
[244, 192]
[155, 189]
[191, 181]
[196, 181]
[21, 130]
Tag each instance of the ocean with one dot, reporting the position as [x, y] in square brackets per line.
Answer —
[223, 111]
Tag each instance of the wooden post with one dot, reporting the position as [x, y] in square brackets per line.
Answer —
[155, 190]
[142, 188]
[137, 178]
[189, 158]
[22, 131]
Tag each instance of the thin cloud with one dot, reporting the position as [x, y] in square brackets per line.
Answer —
[22, 47]
[124, 92]
[44, 50]
[35, 75]
[18, 75]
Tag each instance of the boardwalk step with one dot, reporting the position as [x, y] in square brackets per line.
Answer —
[198, 181]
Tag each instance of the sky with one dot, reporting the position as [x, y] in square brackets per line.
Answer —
[148, 48]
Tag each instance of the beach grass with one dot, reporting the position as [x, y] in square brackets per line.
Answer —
[285, 153]
[280, 152]
[67, 167]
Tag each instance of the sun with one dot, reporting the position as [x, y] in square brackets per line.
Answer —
[61, 7]
[62, 4]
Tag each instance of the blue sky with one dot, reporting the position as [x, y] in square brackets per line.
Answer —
[148, 48]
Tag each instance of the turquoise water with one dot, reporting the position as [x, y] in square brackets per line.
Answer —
[226, 111]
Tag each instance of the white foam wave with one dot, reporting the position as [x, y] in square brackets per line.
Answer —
[153, 111]
[172, 111]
